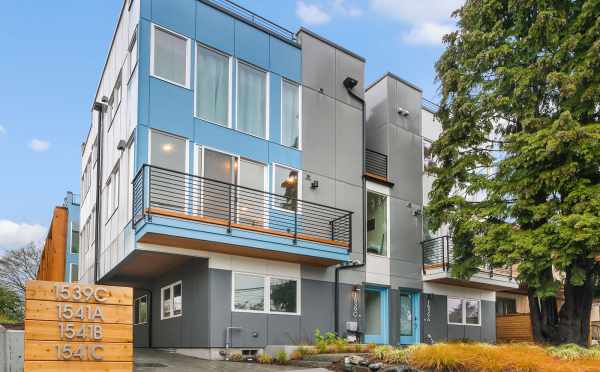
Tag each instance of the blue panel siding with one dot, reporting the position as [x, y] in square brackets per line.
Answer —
[171, 108]
[251, 45]
[144, 70]
[215, 233]
[285, 59]
[285, 156]
[232, 141]
[214, 28]
[176, 15]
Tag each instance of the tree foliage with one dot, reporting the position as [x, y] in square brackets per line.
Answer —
[517, 165]
[17, 267]
[11, 307]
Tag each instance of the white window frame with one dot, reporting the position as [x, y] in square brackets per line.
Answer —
[131, 176]
[136, 308]
[267, 97]
[171, 288]
[283, 81]
[267, 293]
[188, 47]
[187, 146]
[274, 167]
[229, 85]
[464, 311]
[113, 192]
[385, 191]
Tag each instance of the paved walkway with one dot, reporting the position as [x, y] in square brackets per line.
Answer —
[154, 360]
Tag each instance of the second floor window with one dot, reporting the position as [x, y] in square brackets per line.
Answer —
[290, 114]
[377, 223]
[170, 56]
[74, 237]
[286, 184]
[212, 86]
[252, 100]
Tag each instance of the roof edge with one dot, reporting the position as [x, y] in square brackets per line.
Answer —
[331, 43]
[396, 77]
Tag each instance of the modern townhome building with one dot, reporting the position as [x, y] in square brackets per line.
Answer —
[242, 180]
[222, 178]
[413, 262]
[60, 255]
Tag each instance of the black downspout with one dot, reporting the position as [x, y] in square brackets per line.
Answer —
[349, 84]
[99, 107]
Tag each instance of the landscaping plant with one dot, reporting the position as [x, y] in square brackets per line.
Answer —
[517, 165]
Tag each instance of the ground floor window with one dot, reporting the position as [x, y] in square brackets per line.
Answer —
[263, 293]
[141, 310]
[464, 311]
[171, 301]
[505, 306]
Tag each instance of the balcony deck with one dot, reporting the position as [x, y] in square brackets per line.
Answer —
[438, 257]
[183, 210]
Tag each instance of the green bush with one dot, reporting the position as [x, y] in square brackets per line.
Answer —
[574, 352]
[281, 357]
[264, 358]
[236, 357]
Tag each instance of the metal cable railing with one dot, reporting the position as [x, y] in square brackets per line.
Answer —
[175, 194]
[438, 254]
[253, 18]
[376, 163]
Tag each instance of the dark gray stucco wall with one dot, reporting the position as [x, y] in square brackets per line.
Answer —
[435, 321]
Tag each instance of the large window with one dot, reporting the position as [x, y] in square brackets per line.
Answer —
[253, 292]
[171, 301]
[170, 56]
[75, 237]
[249, 292]
[141, 310]
[290, 114]
[464, 311]
[252, 100]
[212, 86]
[286, 183]
[377, 223]
[505, 306]
[169, 190]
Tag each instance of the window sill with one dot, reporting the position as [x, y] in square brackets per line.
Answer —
[170, 82]
[263, 312]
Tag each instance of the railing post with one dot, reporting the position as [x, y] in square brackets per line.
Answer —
[332, 233]
[350, 231]
[511, 273]
[423, 256]
[296, 223]
[229, 212]
[149, 215]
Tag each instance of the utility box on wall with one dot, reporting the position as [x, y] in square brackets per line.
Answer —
[11, 350]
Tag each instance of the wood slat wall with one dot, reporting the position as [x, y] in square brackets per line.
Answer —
[513, 328]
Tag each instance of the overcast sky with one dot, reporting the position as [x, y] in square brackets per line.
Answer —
[53, 53]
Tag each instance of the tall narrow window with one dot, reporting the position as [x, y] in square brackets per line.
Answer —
[251, 210]
[377, 229]
[455, 310]
[252, 100]
[472, 312]
[75, 237]
[168, 189]
[286, 184]
[220, 170]
[133, 53]
[141, 310]
[212, 86]
[172, 301]
[170, 57]
[290, 117]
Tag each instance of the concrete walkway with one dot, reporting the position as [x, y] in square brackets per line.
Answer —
[149, 360]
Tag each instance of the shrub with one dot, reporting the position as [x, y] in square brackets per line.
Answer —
[264, 358]
[305, 350]
[573, 352]
[236, 357]
[281, 357]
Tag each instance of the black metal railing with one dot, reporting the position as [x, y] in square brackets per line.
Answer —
[170, 193]
[438, 254]
[429, 105]
[376, 163]
[253, 18]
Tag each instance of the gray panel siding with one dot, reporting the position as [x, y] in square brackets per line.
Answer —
[283, 330]
[435, 323]
[190, 329]
[317, 298]
[253, 329]
[394, 318]
[220, 305]
[318, 132]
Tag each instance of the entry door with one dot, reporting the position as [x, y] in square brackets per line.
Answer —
[376, 315]
[409, 318]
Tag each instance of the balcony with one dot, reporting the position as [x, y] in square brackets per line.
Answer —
[376, 166]
[438, 257]
[187, 211]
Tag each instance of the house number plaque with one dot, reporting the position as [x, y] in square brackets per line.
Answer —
[78, 326]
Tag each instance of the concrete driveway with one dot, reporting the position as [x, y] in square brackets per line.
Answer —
[148, 360]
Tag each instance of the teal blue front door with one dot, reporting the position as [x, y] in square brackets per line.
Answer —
[376, 315]
[410, 332]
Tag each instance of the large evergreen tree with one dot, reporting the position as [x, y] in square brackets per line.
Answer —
[517, 165]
